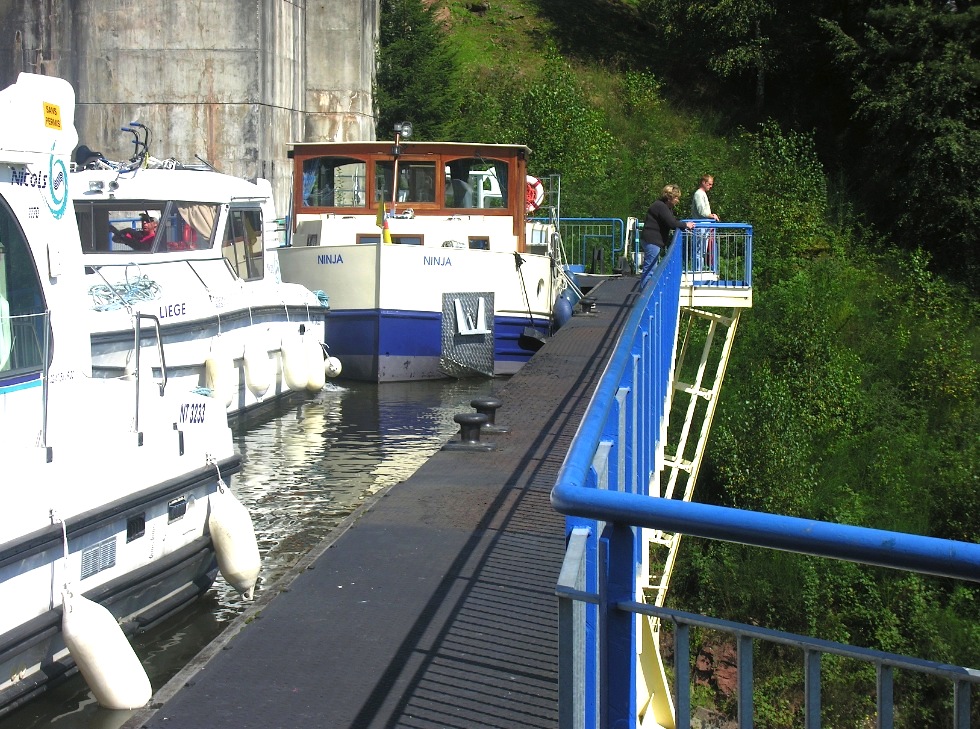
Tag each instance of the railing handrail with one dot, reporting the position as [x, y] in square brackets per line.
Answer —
[929, 555]
[926, 555]
[605, 486]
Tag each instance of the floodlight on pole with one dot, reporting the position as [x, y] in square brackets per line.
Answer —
[402, 130]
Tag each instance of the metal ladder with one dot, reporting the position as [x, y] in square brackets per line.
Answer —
[696, 401]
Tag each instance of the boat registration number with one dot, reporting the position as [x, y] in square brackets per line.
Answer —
[192, 412]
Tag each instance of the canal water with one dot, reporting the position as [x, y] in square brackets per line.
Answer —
[306, 467]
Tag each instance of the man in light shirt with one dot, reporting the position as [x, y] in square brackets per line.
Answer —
[701, 209]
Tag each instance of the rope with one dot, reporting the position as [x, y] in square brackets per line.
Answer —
[323, 299]
[108, 297]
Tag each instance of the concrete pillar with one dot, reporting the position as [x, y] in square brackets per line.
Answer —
[231, 81]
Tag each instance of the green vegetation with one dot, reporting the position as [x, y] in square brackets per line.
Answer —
[847, 135]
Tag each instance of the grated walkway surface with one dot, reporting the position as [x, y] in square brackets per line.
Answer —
[435, 605]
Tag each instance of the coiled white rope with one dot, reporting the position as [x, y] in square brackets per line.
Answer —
[107, 297]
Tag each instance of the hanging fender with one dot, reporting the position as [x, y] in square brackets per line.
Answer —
[293, 362]
[234, 541]
[104, 657]
[219, 374]
[259, 369]
[315, 368]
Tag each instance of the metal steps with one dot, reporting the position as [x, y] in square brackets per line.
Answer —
[699, 372]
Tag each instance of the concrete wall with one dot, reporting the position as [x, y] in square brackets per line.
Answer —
[233, 81]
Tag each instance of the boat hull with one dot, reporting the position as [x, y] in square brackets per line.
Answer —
[189, 344]
[106, 483]
[420, 313]
[143, 557]
[398, 346]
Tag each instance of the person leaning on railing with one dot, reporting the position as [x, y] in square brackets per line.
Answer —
[701, 209]
[657, 226]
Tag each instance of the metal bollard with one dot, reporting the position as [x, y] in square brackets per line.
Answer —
[588, 304]
[488, 406]
[469, 433]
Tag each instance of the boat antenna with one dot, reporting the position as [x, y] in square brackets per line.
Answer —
[207, 164]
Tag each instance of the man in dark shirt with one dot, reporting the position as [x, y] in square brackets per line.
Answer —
[658, 225]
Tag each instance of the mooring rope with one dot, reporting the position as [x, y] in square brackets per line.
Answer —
[107, 297]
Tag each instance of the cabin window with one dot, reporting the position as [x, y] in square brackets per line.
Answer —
[190, 226]
[22, 317]
[372, 239]
[145, 227]
[242, 244]
[479, 243]
[416, 181]
[115, 228]
[476, 183]
[334, 182]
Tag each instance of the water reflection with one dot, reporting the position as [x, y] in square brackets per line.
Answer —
[305, 468]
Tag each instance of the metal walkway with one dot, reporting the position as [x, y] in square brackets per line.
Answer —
[433, 606]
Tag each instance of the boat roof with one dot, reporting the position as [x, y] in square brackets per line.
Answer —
[191, 185]
[408, 147]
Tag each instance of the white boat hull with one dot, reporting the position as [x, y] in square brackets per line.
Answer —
[105, 482]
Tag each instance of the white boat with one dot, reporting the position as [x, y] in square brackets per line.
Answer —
[194, 249]
[469, 284]
[107, 484]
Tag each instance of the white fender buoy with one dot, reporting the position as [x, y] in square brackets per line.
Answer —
[316, 369]
[293, 362]
[219, 374]
[258, 367]
[234, 541]
[333, 368]
[104, 657]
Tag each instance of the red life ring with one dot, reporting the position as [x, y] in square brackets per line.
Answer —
[534, 194]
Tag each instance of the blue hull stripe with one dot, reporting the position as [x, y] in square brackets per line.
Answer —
[413, 334]
[24, 382]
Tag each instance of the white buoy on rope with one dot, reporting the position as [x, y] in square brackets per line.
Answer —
[293, 362]
[259, 369]
[234, 541]
[104, 657]
[316, 369]
[219, 373]
[333, 368]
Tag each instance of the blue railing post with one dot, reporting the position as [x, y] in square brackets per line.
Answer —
[620, 627]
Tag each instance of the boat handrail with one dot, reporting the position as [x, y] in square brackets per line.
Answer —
[44, 384]
[138, 316]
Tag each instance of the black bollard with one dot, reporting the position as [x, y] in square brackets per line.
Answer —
[588, 304]
[469, 434]
[488, 406]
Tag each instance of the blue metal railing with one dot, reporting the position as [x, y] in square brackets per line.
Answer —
[590, 242]
[718, 254]
[604, 489]
[714, 254]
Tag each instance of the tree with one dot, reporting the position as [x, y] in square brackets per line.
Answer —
[914, 82]
[416, 73]
[733, 37]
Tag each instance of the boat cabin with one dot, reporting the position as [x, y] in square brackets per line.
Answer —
[141, 215]
[443, 180]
